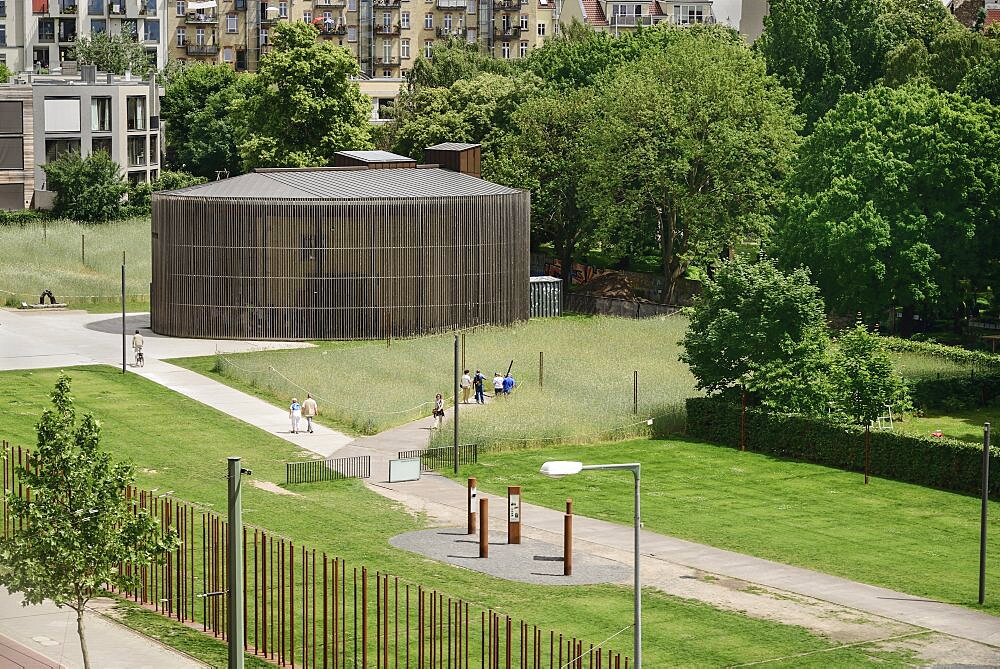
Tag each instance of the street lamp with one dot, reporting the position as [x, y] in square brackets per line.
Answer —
[558, 469]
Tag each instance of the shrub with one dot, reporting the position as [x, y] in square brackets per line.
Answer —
[140, 195]
[941, 463]
[956, 393]
[23, 217]
[88, 190]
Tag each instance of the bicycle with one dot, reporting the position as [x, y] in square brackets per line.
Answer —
[139, 359]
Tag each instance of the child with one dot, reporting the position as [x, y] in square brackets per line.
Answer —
[438, 412]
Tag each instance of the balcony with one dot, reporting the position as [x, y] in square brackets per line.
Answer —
[445, 33]
[392, 61]
[507, 5]
[629, 20]
[329, 3]
[201, 49]
[381, 29]
[68, 9]
[507, 33]
[386, 3]
[199, 18]
[116, 9]
[452, 4]
[332, 30]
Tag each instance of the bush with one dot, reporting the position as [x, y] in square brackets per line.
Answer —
[140, 195]
[88, 190]
[941, 463]
[955, 393]
[23, 217]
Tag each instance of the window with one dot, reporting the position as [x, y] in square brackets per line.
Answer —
[352, 34]
[136, 151]
[472, 8]
[386, 51]
[231, 25]
[688, 14]
[3, 7]
[3, 34]
[523, 50]
[387, 73]
[283, 9]
[67, 30]
[541, 30]
[11, 153]
[505, 23]
[95, 7]
[46, 30]
[61, 115]
[386, 19]
[60, 147]
[149, 9]
[135, 112]
[179, 7]
[404, 20]
[181, 36]
[428, 21]
[199, 36]
[263, 36]
[524, 22]
[40, 6]
[154, 147]
[227, 54]
[428, 48]
[404, 48]
[307, 16]
[98, 26]
[101, 144]
[100, 114]
[151, 30]
[352, 5]
[136, 178]
[11, 117]
[505, 49]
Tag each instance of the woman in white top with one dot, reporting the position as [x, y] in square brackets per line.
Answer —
[497, 385]
[438, 412]
[295, 413]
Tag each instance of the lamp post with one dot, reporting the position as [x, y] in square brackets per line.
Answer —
[560, 468]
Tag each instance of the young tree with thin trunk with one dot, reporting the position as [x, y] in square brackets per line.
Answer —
[78, 528]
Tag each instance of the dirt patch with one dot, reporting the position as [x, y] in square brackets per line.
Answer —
[149, 471]
[272, 487]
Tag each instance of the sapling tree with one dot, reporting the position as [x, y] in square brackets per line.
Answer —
[866, 380]
[78, 527]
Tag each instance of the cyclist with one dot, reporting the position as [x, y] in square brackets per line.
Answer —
[137, 348]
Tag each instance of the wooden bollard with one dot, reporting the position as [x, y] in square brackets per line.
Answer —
[472, 494]
[484, 528]
[514, 514]
[568, 539]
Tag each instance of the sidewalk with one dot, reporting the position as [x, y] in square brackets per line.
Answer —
[45, 636]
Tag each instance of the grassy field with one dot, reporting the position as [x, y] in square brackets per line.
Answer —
[182, 446]
[34, 258]
[915, 366]
[964, 424]
[906, 537]
[588, 369]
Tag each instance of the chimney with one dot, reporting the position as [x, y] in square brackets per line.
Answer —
[88, 74]
[456, 156]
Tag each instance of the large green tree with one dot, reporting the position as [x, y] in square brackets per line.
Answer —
[302, 107]
[689, 147]
[88, 190]
[759, 331]
[79, 529]
[116, 53]
[821, 49]
[894, 199]
[200, 136]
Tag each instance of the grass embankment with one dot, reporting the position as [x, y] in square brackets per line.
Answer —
[905, 537]
[34, 258]
[182, 445]
[588, 378]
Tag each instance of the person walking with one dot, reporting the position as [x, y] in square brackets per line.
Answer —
[497, 384]
[477, 382]
[295, 413]
[466, 387]
[438, 411]
[309, 411]
[508, 384]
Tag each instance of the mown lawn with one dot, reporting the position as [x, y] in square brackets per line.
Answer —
[964, 424]
[182, 445]
[906, 537]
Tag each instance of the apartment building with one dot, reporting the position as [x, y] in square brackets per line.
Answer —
[45, 116]
[618, 16]
[39, 34]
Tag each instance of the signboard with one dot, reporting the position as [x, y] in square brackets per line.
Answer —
[404, 470]
[473, 501]
[514, 511]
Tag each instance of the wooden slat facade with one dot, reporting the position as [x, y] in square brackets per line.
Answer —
[323, 269]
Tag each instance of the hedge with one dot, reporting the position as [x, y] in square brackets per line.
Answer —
[955, 354]
[956, 392]
[943, 463]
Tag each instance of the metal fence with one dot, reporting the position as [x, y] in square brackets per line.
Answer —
[443, 457]
[302, 607]
[330, 469]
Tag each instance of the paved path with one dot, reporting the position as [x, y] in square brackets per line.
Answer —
[45, 637]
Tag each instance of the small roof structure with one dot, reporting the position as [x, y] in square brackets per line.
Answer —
[376, 157]
[345, 184]
[451, 146]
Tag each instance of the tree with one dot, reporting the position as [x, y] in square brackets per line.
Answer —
[301, 107]
[140, 195]
[944, 61]
[893, 201]
[88, 190]
[982, 81]
[546, 155]
[5, 73]
[821, 49]
[113, 53]
[866, 380]
[79, 527]
[690, 149]
[763, 332]
[200, 131]
[454, 59]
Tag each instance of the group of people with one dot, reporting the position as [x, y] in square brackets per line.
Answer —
[502, 386]
[307, 410]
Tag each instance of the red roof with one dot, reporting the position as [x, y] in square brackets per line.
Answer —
[655, 9]
[992, 16]
[593, 13]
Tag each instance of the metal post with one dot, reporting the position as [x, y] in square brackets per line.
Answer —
[83, 249]
[983, 513]
[635, 392]
[541, 370]
[463, 350]
[484, 527]
[637, 640]
[455, 453]
[568, 538]
[472, 494]
[124, 354]
[513, 514]
[234, 569]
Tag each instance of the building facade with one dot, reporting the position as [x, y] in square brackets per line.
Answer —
[39, 34]
[48, 116]
[616, 16]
